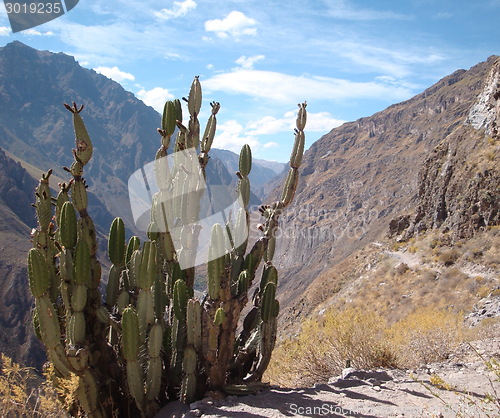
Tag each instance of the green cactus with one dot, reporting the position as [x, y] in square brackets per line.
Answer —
[152, 340]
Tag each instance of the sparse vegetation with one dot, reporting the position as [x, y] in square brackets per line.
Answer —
[364, 338]
[21, 396]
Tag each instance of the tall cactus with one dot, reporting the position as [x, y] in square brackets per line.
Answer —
[152, 340]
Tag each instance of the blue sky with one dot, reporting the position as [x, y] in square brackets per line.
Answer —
[347, 58]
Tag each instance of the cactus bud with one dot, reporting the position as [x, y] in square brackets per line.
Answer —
[116, 242]
[245, 164]
[220, 316]
[301, 117]
[133, 244]
[194, 101]
[169, 117]
[84, 147]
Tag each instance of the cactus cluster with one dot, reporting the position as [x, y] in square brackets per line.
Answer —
[149, 340]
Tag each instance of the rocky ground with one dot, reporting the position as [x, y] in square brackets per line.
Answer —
[464, 377]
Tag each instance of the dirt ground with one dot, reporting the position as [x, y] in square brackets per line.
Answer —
[377, 393]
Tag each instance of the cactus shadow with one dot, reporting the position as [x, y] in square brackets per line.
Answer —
[285, 402]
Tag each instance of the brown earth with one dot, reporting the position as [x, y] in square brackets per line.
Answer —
[361, 175]
[375, 393]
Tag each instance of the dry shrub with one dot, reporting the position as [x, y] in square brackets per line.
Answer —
[322, 349]
[19, 399]
[483, 292]
[426, 336]
[448, 257]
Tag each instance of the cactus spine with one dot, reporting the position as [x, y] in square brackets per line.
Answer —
[152, 340]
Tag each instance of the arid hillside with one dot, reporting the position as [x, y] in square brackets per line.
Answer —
[360, 176]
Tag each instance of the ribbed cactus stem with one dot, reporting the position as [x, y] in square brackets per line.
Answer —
[130, 346]
[154, 369]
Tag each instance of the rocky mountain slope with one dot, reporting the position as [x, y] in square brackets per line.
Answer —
[459, 182]
[17, 217]
[361, 175]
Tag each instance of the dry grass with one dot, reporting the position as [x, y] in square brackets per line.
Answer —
[323, 348]
[426, 336]
[18, 397]
[363, 338]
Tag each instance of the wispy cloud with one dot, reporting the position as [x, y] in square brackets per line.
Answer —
[343, 9]
[363, 54]
[155, 98]
[286, 88]
[4, 31]
[249, 62]
[234, 24]
[115, 74]
[178, 10]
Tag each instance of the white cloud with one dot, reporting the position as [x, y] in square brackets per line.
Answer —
[316, 122]
[271, 145]
[288, 88]
[179, 9]
[269, 125]
[171, 55]
[155, 98]
[247, 63]
[234, 24]
[32, 32]
[322, 122]
[233, 137]
[4, 31]
[115, 74]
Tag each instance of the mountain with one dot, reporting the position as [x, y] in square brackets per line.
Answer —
[17, 217]
[359, 176]
[262, 171]
[35, 127]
